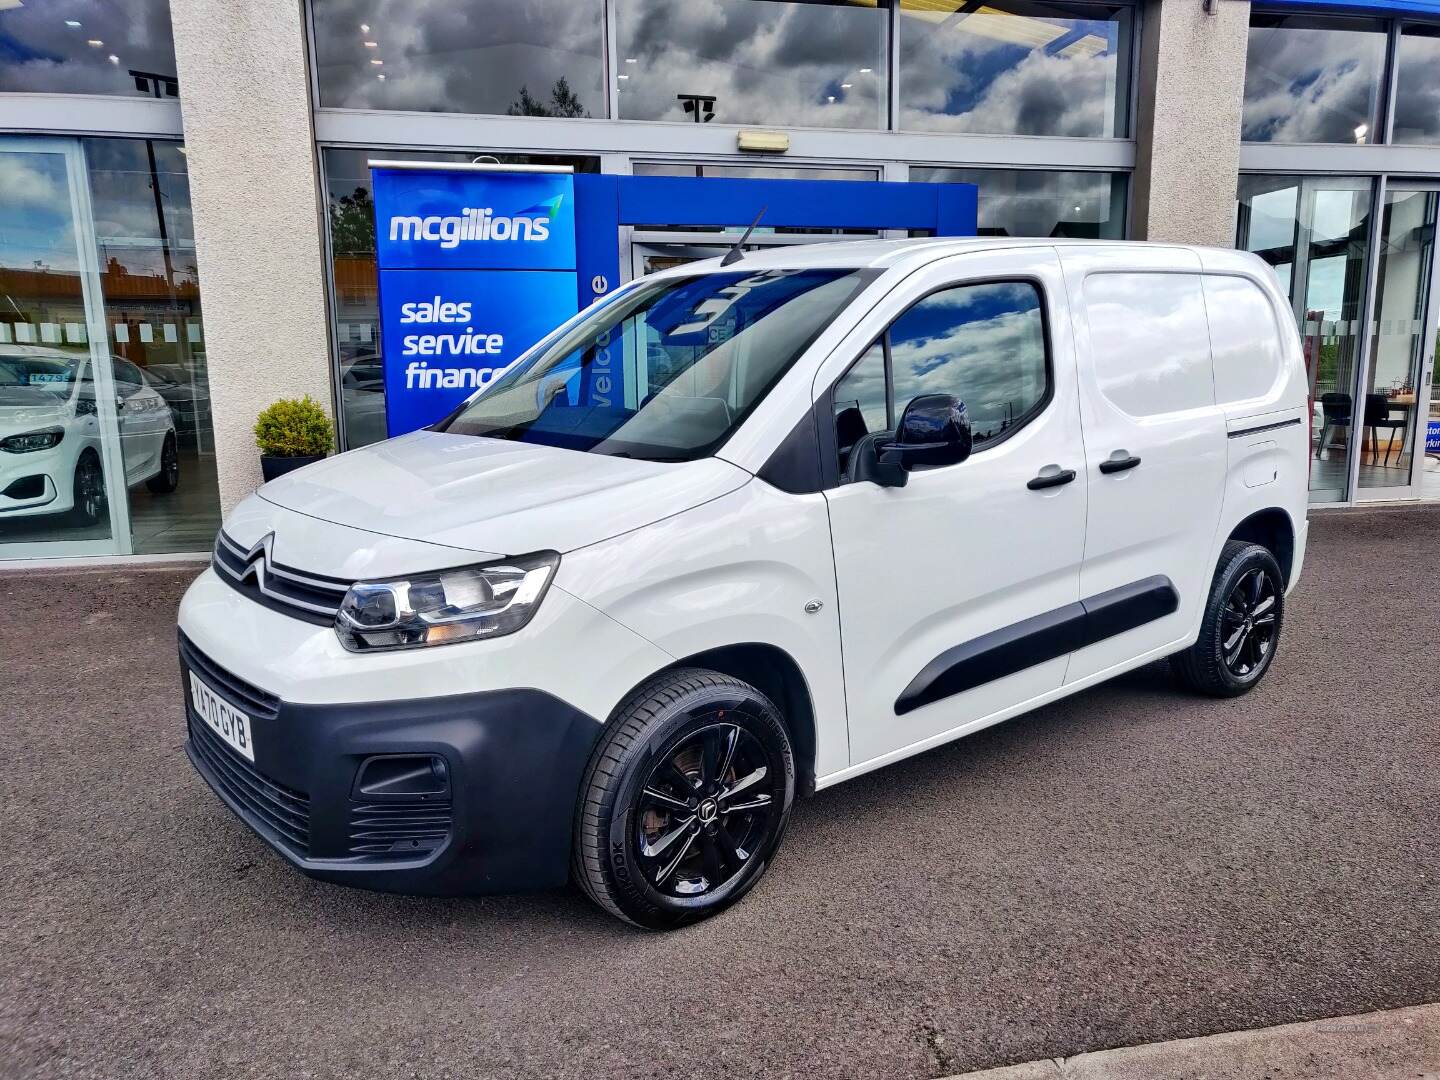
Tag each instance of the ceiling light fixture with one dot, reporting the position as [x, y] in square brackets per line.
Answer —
[114, 59]
[364, 28]
[865, 71]
[372, 44]
[95, 43]
[377, 62]
[72, 22]
[622, 76]
[844, 86]
[631, 60]
[381, 76]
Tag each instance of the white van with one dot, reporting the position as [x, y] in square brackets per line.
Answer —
[741, 532]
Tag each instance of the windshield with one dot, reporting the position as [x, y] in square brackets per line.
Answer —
[665, 372]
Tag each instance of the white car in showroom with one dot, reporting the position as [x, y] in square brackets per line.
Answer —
[50, 448]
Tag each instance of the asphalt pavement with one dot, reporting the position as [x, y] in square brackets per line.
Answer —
[1131, 865]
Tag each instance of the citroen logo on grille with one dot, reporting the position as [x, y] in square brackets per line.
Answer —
[257, 558]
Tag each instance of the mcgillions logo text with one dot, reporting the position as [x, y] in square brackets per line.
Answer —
[531, 224]
[466, 341]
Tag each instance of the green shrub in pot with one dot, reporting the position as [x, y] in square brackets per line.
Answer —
[291, 433]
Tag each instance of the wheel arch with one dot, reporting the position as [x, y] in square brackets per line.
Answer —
[774, 672]
[1273, 530]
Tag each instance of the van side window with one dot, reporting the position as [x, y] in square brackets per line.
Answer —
[983, 343]
[1149, 341]
[1244, 339]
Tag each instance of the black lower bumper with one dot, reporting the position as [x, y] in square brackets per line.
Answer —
[499, 820]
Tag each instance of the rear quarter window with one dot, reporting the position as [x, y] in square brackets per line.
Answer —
[1149, 342]
[1245, 339]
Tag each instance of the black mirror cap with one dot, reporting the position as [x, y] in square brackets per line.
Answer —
[934, 430]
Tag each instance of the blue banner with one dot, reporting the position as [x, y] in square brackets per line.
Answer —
[448, 333]
[475, 267]
[453, 220]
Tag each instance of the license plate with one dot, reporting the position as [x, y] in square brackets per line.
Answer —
[226, 721]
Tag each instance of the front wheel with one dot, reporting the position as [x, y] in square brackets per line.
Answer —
[168, 478]
[1241, 627]
[685, 801]
[88, 490]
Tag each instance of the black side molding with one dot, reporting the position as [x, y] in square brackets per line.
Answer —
[1035, 640]
[1264, 427]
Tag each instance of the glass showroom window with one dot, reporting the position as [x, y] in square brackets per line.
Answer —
[355, 284]
[1417, 86]
[778, 62]
[1042, 202]
[140, 198]
[539, 58]
[1313, 80]
[88, 47]
[104, 401]
[1014, 68]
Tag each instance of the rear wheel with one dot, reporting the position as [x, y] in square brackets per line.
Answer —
[685, 801]
[89, 489]
[1241, 627]
[168, 478]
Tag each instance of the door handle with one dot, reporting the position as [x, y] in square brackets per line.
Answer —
[1049, 480]
[1114, 465]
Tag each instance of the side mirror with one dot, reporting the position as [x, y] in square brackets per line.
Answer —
[934, 430]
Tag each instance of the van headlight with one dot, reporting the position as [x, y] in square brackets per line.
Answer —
[449, 605]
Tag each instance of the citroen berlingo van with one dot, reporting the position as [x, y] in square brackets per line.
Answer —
[744, 531]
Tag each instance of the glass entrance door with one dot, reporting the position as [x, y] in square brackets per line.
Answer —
[1394, 412]
[62, 489]
[1315, 232]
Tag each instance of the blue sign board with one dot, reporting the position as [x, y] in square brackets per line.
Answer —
[475, 267]
[448, 333]
[452, 220]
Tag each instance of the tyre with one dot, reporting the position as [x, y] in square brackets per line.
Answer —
[89, 490]
[168, 478]
[1240, 630]
[685, 800]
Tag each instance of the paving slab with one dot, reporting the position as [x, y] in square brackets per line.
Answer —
[1400, 1044]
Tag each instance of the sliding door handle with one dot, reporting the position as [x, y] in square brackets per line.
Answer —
[1051, 479]
[1114, 465]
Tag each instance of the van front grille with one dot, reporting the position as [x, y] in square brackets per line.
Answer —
[279, 811]
[314, 598]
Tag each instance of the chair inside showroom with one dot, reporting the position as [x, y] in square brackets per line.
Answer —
[1379, 414]
[1335, 410]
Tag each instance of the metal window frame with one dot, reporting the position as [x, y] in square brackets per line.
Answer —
[90, 114]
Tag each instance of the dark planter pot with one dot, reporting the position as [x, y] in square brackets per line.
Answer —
[272, 467]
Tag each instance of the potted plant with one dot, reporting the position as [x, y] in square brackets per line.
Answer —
[291, 433]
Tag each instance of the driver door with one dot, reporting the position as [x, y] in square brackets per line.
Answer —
[952, 587]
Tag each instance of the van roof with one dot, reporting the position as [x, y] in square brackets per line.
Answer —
[886, 254]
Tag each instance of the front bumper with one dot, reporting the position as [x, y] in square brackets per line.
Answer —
[514, 762]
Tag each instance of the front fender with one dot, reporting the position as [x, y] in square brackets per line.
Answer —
[748, 567]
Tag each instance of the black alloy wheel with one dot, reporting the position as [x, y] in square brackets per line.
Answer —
[705, 809]
[1240, 628]
[685, 800]
[1248, 623]
[168, 478]
[89, 489]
